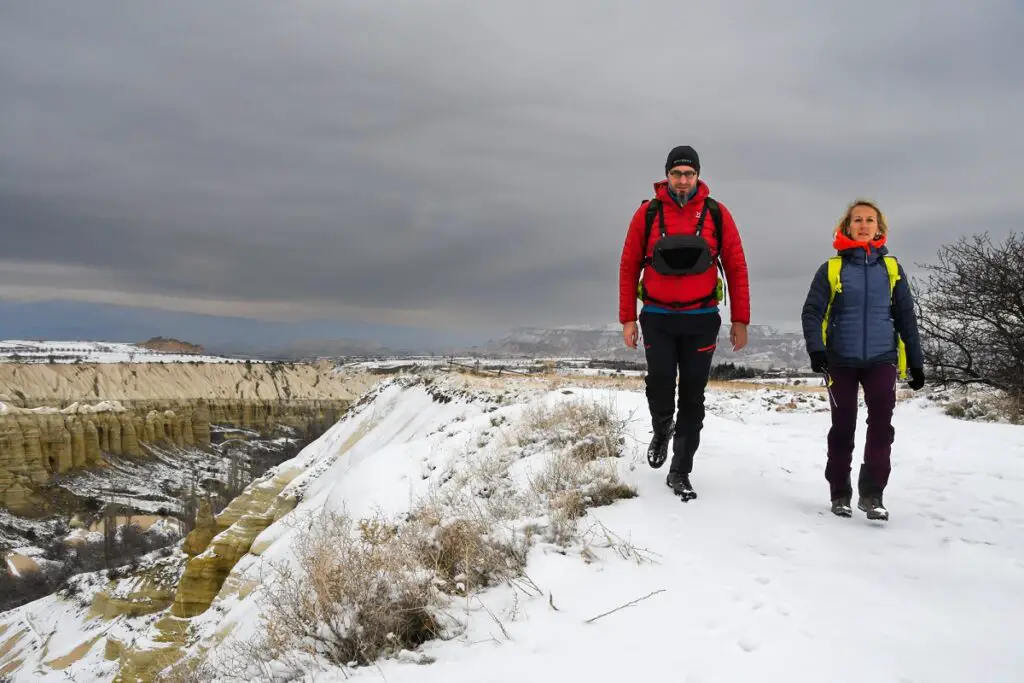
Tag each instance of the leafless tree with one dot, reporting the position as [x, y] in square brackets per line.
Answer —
[971, 314]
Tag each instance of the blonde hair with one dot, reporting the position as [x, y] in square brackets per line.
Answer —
[844, 224]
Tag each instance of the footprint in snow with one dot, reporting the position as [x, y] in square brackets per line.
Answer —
[748, 643]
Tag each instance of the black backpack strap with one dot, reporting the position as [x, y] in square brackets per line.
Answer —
[716, 215]
[654, 209]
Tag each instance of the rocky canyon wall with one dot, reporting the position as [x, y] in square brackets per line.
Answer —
[47, 427]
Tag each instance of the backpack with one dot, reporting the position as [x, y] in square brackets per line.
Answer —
[835, 263]
[655, 210]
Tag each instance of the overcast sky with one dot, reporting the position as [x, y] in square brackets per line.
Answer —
[477, 163]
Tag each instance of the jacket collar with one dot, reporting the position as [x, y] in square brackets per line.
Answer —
[700, 193]
[847, 246]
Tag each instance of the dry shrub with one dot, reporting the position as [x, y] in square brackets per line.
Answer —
[569, 486]
[610, 491]
[592, 430]
[359, 591]
[600, 536]
[581, 473]
[986, 406]
[350, 598]
[478, 485]
[464, 556]
[188, 670]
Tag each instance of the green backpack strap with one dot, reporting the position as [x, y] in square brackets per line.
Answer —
[893, 268]
[835, 286]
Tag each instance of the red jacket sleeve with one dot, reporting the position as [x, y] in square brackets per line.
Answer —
[630, 265]
[735, 264]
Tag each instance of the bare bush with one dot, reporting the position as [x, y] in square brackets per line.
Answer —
[349, 597]
[972, 315]
[591, 429]
[568, 486]
[188, 670]
[465, 554]
[983, 406]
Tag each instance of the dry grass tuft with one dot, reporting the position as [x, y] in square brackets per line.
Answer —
[189, 670]
[568, 487]
[349, 597]
[590, 429]
[464, 556]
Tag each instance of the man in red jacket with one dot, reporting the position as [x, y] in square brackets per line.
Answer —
[680, 317]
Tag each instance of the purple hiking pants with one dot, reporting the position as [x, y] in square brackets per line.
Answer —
[879, 382]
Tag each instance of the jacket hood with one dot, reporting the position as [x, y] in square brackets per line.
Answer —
[662, 193]
[847, 246]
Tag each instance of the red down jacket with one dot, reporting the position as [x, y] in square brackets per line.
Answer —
[683, 220]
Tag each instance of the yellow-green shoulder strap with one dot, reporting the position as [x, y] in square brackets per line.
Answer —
[835, 286]
[892, 266]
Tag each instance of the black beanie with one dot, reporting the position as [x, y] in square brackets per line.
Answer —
[683, 156]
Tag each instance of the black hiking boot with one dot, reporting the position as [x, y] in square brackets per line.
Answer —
[680, 485]
[657, 452]
[841, 506]
[872, 505]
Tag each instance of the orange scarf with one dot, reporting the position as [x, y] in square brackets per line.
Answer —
[842, 241]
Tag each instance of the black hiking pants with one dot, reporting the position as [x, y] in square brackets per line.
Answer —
[679, 345]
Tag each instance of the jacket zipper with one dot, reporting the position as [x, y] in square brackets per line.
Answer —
[864, 351]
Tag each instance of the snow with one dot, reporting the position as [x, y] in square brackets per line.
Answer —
[72, 409]
[95, 352]
[753, 581]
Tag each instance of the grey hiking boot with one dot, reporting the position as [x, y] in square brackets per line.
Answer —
[841, 507]
[872, 505]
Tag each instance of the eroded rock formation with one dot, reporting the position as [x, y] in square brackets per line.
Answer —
[46, 428]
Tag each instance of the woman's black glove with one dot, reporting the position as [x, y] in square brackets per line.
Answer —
[818, 363]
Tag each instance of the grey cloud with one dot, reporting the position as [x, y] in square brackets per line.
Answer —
[479, 162]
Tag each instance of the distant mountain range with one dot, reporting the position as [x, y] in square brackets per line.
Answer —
[767, 347]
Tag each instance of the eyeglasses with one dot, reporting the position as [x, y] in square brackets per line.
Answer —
[689, 175]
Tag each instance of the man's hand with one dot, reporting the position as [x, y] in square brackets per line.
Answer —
[630, 334]
[738, 336]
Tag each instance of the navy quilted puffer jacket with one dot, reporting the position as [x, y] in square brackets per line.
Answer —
[864, 320]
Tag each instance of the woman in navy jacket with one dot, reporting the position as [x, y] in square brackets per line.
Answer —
[859, 348]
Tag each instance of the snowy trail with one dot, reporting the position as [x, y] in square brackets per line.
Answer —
[761, 582]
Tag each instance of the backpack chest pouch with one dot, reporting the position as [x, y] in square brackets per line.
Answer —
[681, 255]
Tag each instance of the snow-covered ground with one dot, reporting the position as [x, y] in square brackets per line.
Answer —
[95, 352]
[753, 581]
